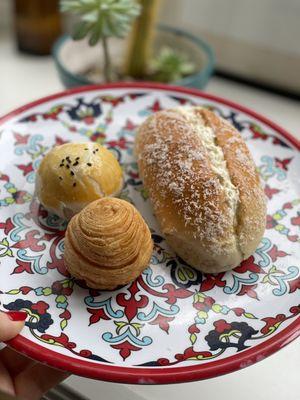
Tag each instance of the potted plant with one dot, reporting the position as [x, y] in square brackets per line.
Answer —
[133, 48]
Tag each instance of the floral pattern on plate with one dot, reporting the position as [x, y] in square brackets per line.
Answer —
[172, 315]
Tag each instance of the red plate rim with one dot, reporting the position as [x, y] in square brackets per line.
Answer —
[157, 375]
[153, 85]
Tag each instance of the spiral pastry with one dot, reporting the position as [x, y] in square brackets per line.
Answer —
[107, 244]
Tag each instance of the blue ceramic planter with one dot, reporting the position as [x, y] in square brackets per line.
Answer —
[198, 50]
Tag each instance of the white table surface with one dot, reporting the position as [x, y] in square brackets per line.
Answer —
[25, 78]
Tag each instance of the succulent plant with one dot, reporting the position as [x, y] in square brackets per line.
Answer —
[170, 65]
[101, 19]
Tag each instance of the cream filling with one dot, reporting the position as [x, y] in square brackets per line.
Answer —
[216, 156]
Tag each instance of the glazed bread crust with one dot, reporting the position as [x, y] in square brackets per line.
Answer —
[203, 186]
[74, 174]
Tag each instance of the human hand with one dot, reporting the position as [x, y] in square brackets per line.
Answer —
[20, 376]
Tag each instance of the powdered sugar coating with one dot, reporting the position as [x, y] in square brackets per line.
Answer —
[215, 154]
[251, 210]
[185, 173]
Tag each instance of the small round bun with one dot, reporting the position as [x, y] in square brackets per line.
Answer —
[74, 174]
[107, 244]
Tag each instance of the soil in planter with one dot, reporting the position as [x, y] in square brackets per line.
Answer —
[82, 59]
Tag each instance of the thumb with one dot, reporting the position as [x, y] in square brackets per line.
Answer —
[11, 323]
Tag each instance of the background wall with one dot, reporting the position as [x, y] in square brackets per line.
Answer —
[5, 15]
[256, 39]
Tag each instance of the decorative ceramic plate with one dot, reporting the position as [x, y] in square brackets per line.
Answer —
[173, 324]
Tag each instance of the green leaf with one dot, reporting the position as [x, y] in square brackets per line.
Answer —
[181, 274]
[190, 273]
[119, 325]
[249, 315]
[47, 291]
[81, 30]
[77, 6]
[202, 314]
[137, 327]
[14, 291]
[199, 297]
[265, 279]
[105, 17]
[5, 250]
[95, 36]
[91, 17]
[193, 338]
[273, 269]
[111, 28]
[63, 324]
[9, 253]
[4, 242]
[171, 65]
[67, 283]
[60, 299]
[9, 200]
[216, 308]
